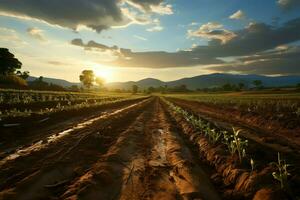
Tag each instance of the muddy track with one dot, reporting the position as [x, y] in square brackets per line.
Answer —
[138, 153]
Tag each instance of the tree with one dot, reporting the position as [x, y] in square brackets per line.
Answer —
[257, 83]
[24, 75]
[241, 86]
[100, 81]
[150, 90]
[8, 62]
[87, 78]
[227, 87]
[135, 89]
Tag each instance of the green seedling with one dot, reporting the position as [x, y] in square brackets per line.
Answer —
[282, 172]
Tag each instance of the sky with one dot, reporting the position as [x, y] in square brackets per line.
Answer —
[124, 40]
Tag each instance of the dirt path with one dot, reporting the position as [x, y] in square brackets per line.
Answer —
[137, 153]
[148, 161]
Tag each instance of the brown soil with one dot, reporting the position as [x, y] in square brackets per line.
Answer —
[267, 133]
[239, 181]
[35, 128]
[137, 150]
[134, 154]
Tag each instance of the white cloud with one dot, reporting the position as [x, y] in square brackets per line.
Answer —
[37, 34]
[238, 15]
[162, 9]
[140, 37]
[212, 30]
[157, 27]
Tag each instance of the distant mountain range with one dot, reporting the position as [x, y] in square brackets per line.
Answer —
[210, 81]
[56, 81]
[202, 81]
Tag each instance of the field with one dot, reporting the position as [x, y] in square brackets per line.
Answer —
[59, 145]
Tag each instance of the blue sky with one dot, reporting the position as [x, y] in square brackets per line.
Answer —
[163, 44]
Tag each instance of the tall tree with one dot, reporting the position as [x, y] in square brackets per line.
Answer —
[8, 62]
[87, 77]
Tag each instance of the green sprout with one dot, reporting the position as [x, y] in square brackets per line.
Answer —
[282, 172]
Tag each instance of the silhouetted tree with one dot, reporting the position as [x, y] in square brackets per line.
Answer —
[241, 86]
[87, 78]
[227, 87]
[258, 84]
[8, 62]
[135, 89]
[24, 75]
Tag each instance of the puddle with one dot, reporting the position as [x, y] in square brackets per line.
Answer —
[159, 150]
[37, 146]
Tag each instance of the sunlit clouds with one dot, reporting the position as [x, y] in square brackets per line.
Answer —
[152, 38]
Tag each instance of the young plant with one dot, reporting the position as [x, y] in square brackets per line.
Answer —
[252, 165]
[282, 172]
[238, 145]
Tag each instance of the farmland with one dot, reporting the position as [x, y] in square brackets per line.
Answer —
[63, 145]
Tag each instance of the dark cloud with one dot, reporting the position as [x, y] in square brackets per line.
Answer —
[255, 38]
[95, 14]
[288, 4]
[155, 59]
[162, 59]
[255, 45]
[91, 45]
[285, 62]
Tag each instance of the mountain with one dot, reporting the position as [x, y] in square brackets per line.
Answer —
[60, 82]
[210, 81]
[202, 81]
[144, 83]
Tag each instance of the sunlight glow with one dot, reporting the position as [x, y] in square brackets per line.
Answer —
[104, 72]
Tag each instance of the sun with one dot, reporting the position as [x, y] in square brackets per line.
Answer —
[104, 72]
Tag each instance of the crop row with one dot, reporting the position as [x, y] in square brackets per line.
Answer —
[234, 144]
[278, 105]
[58, 108]
[8, 97]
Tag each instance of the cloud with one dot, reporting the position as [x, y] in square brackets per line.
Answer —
[36, 33]
[155, 59]
[156, 28]
[92, 45]
[288, 4]
[53, 62]
[256, 37]
[156, 6]
[94, 14]
[256, 46]
[212, 30]
[140, 37]
[238, 15]
[284, 61]
[9, 37]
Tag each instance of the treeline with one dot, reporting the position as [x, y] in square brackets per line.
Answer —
[160, 89]
[11, 76]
